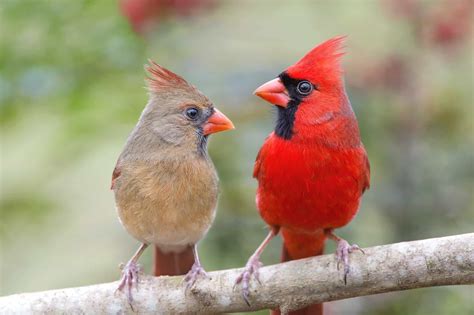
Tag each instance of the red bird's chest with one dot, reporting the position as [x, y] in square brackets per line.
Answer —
[309, 187]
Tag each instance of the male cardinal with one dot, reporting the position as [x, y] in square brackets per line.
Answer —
[164, 182]
[312, 169]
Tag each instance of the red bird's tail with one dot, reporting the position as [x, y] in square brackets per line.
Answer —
[298, 246]
[173, 264]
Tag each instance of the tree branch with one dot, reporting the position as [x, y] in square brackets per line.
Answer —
[292, 285]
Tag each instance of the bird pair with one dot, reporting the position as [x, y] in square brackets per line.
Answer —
[312, 169]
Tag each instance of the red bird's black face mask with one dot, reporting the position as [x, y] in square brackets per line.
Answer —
[286, 93]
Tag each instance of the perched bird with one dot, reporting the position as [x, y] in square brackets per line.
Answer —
[165, 183]
[312, 169]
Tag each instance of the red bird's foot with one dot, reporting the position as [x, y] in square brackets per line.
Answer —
[253, 265]
[342, 255]
[129, 278]
[251, 268]
[193, 274]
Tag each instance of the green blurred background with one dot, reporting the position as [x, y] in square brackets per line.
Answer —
[71, 89]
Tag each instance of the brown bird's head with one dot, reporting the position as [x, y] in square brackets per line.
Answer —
[177, 112]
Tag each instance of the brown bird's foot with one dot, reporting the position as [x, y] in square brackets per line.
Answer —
[251, 268]
[130, 273]
[342, 253]
[196, 271]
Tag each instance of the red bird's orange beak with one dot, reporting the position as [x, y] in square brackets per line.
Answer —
[273, 92]
[217, 122]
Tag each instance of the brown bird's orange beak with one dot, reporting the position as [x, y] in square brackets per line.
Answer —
[273, 92]
[217, 122]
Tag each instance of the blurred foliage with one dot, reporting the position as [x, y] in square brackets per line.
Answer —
[71, 89]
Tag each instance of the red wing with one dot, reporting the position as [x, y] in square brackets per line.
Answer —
[261, 156]
[116, 174]
[366, 184]
[257, 164]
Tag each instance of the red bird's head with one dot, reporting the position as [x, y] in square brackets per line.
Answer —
[310, 93]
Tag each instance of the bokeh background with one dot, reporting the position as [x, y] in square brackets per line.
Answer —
[71, 89]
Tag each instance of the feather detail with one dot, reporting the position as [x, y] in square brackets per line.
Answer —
[322, 63]
[366, 173]
[116, 174]
[257, 165]
[327, 51]
[160, 78]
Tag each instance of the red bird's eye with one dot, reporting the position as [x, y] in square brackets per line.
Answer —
[304, 88]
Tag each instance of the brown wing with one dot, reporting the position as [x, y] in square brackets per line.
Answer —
[115, 174]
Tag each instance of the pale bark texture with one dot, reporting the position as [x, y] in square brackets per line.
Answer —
[401, 266]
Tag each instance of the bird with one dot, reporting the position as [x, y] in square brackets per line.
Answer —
[164, 182]
[313, 168]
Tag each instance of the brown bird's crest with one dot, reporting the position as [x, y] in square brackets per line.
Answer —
[160, 78]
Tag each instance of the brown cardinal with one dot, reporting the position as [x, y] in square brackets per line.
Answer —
[313, 169]
[164, 182]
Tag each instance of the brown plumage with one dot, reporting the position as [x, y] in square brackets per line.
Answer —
[165, 183]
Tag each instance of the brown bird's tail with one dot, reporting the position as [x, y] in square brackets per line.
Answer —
[173, 264]
[298, 246]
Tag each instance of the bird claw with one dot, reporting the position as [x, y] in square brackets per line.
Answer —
[130, 273]
[193, 274]
[251, 268]
[342, 255]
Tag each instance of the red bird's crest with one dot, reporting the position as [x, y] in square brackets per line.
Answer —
[160, 78]
[321, 63]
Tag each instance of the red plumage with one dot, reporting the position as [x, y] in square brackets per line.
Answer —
[311, 177]
[308, 186]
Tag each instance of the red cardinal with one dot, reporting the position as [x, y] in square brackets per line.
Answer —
[313, 169]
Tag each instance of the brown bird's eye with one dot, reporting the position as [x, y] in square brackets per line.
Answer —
[304, 88]
[192, 113]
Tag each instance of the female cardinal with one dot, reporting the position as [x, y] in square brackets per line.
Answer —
[313, 169]
[164, 182]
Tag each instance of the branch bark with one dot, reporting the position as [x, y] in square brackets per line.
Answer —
[292, 285]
